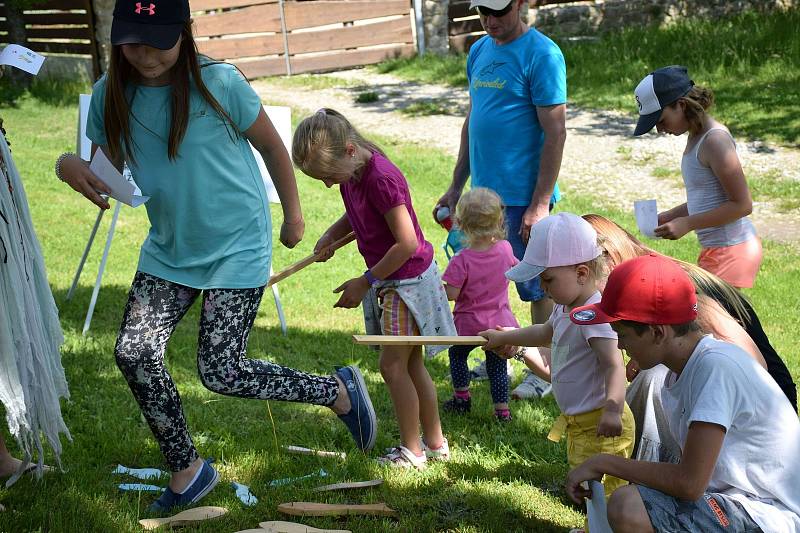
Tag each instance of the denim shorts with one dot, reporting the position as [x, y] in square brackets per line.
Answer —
[711, 513]
[531, 290]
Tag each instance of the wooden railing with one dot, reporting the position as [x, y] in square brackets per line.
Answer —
[267, 37]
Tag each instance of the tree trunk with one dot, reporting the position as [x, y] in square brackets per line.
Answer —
[17, 35]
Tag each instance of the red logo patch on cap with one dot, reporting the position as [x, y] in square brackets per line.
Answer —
[151, 10]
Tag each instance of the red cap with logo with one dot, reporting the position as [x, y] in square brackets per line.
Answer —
[651, 289]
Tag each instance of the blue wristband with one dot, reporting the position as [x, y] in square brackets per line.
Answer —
[370, 278]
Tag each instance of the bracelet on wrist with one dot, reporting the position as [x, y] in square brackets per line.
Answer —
[371, 279]
[520, 355]
[59, 161]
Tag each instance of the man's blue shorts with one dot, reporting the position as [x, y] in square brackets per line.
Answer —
[531, 290]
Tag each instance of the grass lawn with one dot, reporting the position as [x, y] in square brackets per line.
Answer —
[501, 478]
[751, 61]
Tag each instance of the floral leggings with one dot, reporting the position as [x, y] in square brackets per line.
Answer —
[154, 308]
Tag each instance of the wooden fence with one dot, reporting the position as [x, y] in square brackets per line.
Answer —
[465, 26]
[58, 27]
[267, 37]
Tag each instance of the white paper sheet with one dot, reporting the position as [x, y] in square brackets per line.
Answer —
[596, 508]
[22, 58]
[646, 212]
[121, 189]
[83, 145]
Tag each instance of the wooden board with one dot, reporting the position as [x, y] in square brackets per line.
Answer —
[309, 260]
[255, 19]
[348, 58]
[335, 509]
[269, 66]
[277, 526]
[384, 32]
[209, 5]
[322, 12]
[263, 45]
[420, 340]
[349, 485]
[319, 453]
[189, 516]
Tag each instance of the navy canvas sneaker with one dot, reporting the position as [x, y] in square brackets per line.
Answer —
[201, 486]
[361, 419]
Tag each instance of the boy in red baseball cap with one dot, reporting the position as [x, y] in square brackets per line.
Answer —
[740, 465]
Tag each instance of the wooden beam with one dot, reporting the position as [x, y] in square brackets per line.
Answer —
[322, 12]
[255, 19]
[348, 58]
[419, 340]
[384, 32]
[263, 45]
[210, 5]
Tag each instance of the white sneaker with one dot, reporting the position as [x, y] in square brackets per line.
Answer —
[442, 453]
[402, 457]
[532, 387]
[479, 373]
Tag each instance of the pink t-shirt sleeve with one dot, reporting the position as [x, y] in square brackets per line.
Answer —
[456, 272]
[388, 191]
[509, 253]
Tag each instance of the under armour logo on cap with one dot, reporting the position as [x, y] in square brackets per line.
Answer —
[151, 10]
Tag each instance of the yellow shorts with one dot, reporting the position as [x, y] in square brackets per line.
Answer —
[583, 442]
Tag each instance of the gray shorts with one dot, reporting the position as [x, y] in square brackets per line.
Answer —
[711, 513]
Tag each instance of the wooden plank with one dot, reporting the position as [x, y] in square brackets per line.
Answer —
[335, 509]
[419, 340]
[61, 48]
[64, 5]
[322, 12]
[386, 32]
[263, 45]
[348, 58]
[59, 33]
[253, 19]
[349, 485]
[308, 451]
[309, 260]
[270, 66]
[43, 19]
[464, 26]
[461, 43]
[209, 5]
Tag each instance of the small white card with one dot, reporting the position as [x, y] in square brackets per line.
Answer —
[22, 58]
[121, 189]
[646, 212]
[596, 508]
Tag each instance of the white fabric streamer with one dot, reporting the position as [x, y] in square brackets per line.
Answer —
[32, 380]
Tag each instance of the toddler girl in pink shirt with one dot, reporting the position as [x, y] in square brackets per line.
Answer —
[475, 279]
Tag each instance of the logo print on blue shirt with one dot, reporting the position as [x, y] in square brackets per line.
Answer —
[489, 69]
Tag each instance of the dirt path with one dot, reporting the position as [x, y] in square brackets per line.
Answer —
[601, 157]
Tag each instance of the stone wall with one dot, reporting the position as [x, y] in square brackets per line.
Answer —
[435, 18]
[589, 17]
[103, 11]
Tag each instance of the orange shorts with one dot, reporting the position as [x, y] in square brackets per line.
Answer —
[397, 318]
[737, 264]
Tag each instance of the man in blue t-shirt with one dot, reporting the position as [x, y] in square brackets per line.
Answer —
[514, 133]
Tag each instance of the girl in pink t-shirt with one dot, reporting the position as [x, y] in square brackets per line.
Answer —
[475, 279]
[400, 273]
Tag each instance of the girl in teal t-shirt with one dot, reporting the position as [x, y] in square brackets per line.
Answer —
[182, 124]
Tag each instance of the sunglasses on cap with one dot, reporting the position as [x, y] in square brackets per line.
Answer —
[496, 13]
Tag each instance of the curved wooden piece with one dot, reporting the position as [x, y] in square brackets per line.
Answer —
[335, 509]
[189, 516]
[350, 485]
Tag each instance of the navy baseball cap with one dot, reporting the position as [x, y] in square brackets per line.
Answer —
[156, 23]
[658, 90]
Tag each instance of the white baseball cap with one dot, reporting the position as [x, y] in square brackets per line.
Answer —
[562, 239]
[497, 5]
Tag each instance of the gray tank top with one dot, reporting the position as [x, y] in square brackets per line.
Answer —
[704, 192]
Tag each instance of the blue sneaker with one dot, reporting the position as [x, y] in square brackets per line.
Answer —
[361, 419]
[204, 483]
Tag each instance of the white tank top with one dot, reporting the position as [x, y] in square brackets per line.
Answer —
[704, 192]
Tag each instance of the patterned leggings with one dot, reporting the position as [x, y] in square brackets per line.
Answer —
[154, 308]
[496, 368]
